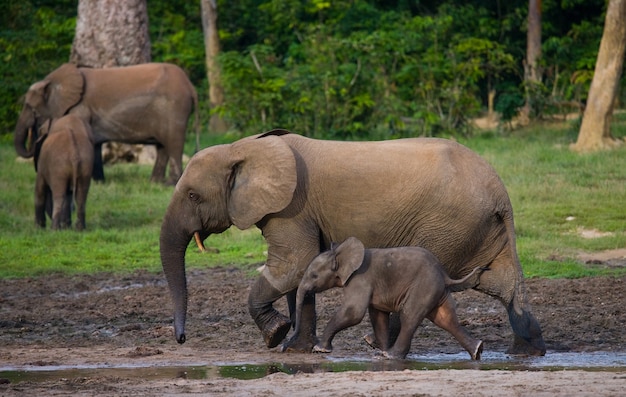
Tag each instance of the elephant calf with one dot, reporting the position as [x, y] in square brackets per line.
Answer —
[64, 166]
[406, 280]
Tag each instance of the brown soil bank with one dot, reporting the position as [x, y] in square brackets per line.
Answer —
[111, 320]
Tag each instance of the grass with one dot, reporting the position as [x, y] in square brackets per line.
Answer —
[555, 194]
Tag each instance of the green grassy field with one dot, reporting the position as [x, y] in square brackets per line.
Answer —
[555, 193]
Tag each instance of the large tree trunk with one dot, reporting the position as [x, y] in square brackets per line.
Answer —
[112, 33]
[217, 124]
[532, 70]
[595, 130]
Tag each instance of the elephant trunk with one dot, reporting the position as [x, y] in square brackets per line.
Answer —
[300, 295]
[173, 246]
[23, 140]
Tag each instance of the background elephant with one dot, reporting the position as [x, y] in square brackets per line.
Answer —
[409, 281]
[304, 193]
[148, 103]
[64, 167]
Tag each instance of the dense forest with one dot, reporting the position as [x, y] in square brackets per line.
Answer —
[344, 69]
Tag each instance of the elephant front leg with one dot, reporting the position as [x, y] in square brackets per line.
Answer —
[273, 325]
[347, 316]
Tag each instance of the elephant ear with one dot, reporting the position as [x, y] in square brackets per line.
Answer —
[349, 257]
[64, 90]
[263, 179]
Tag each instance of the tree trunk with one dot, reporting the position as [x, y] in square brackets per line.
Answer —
[595, 130]
[217, 125]
[532, 71]
[112, 33]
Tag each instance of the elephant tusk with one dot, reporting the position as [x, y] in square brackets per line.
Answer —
[199, 242]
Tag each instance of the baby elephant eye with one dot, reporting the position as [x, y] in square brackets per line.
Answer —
[193, 196]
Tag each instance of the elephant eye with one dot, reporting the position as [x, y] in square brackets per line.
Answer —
[193, 196]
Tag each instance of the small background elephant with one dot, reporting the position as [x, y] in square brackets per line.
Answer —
[148, 103]
[64, 167]
[406, 280]
[305, 193]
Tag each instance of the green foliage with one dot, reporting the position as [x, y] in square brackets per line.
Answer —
[34, 39]
[343, 69]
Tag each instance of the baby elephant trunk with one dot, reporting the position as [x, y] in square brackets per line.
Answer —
[300, 295]
[467, 282]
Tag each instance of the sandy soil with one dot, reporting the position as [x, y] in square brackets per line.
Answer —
[108, 320]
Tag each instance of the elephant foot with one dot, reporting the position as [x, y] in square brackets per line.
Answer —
[478, 351]
[370, 339]
[320, 349]
[522, 347]
[393, 356]
[276, 330]
[300, 344]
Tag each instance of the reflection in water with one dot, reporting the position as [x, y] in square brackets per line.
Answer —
[594, 361]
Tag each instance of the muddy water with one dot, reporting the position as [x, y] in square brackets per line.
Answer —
[553, 361]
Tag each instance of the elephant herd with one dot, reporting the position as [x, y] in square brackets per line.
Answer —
[383, 200]
[142, 104]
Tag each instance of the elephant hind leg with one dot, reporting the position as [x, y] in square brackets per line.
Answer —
[444, 316]
[394, 331]
[160, 164]
[528, 339]
[504, 281]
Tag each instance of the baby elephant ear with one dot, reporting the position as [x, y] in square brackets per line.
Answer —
[349, 256]
[263, 180]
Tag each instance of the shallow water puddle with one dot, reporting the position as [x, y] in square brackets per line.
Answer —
[553, 361]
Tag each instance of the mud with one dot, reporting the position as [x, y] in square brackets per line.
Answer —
[124, 321]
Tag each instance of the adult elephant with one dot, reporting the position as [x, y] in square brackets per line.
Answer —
[305, 194]
[147, 103]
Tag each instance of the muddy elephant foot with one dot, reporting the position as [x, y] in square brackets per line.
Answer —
[276, 330]
[320, 349]
[522, 347]
[393, 356]
[478, 351]
[370, 339]
[300, 344]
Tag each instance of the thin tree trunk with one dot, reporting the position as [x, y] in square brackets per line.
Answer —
[532, 71]
[595, 130]
[212, 48]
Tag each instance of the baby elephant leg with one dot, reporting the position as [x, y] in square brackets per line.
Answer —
[347, 316]
[380, 325]
[444, 316]
[393, 330]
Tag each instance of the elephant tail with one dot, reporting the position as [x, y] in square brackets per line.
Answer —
[467, 282]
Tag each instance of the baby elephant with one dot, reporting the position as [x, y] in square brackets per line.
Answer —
[64, 165]
[406, 280]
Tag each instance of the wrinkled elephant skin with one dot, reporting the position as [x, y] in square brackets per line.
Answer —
[304, 194]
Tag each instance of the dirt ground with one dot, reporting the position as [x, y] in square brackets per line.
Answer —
[108, 320]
